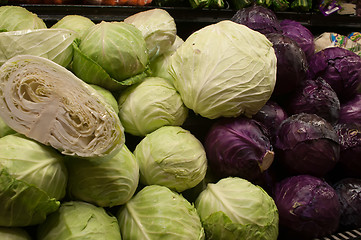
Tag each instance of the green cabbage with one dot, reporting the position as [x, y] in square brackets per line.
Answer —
[106, 183]
[53, 44]
[234, 208]
[149, 105]
[48, 103]
[158, 29]
[173, 157]
[79, 220]
[13, 18]
[156, 212]
[76, 23]
[159, 65]
[224, 69]
[112, 55]
[32, 178]
[108, 96]
[5, 129]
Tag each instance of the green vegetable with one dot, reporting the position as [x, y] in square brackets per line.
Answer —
[158, 29]
[112, 55]
[108, 96]
[107, 183]
[172, 157]
[239, 4]
[224, 70]
[5, 129]
[32, 179]
[280, 5]
[159, 65]
[234, 208]
[301, 5]
[149, 105]
[13, 233]
[53, 44]
[76, 23]
[156, 212]
[79, 220]
[13, 18]
[206, 3]
[48, 103]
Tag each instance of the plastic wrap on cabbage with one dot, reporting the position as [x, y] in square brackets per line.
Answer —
[14, 233]
[159, 66]
[77, 23]
[308, 207]
[149, 105]
[258, 18]
[238, 147]
[48, 103]
[79, 220]
[33, 178]
[119, 61]
[349, 195]
[106, 183]
[340, 68]
[156, 212]
[317, 97]
[53, 44]
[233, 208]
[224, 69]
[173, 157]
[301, 34]
[13, 18]
[158, 29]
[307, 144]
[292, 64]
[350, 111]
[350, 148]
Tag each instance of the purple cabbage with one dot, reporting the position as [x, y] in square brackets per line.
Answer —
[349, 193]
[308, 206]
[238, 147]
[301, 34]
[307, 144]
[350, 148]
[258, 18]
[271, 115]
[340, 67]
[316, 97]
[291, 64]
[350, 111]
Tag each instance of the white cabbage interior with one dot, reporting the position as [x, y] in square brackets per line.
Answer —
[46, 102]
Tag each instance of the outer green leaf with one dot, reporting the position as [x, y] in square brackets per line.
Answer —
[13, 18]
[48, 103]
[79, 220]
[22, 204]
[5, 129]
[53, 44]
[34, 163]
[155, 213]
[77, 23]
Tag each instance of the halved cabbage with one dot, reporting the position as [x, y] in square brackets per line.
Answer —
[48, 103]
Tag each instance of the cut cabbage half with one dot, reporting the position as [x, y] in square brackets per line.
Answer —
[48, 103]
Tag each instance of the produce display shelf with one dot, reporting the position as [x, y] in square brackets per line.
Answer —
[346, 235]
[192, 19]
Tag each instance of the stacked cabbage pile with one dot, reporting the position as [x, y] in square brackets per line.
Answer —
[123, 130]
